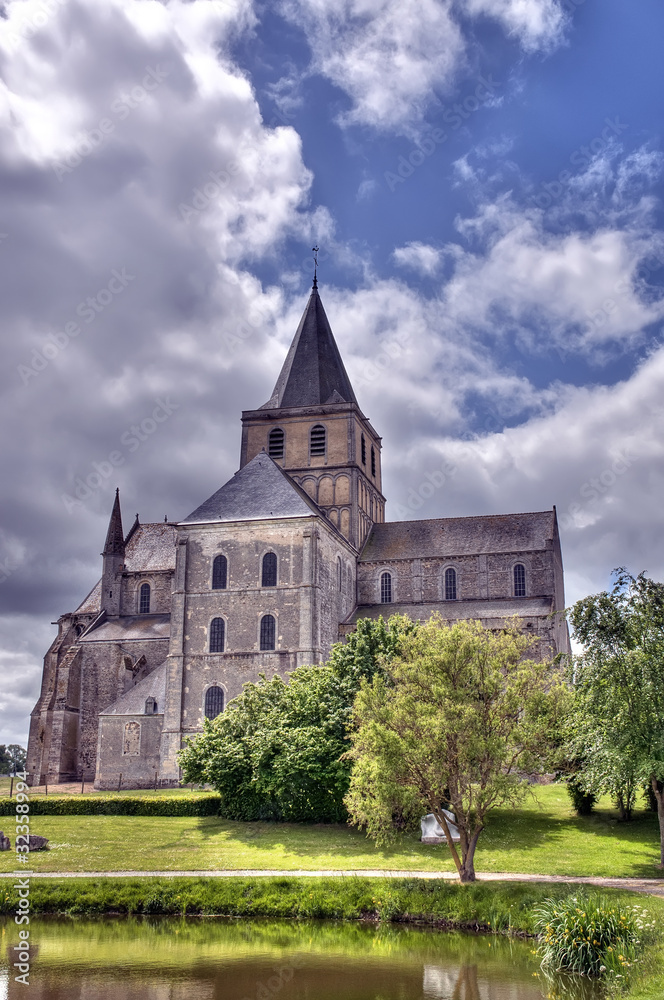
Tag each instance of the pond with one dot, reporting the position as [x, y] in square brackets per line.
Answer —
[221, 959]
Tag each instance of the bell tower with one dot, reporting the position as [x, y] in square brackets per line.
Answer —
[312, 426]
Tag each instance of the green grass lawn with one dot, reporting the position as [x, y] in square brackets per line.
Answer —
[543, 837]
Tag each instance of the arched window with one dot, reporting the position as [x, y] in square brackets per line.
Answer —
[268, 631]
[373, 461]
[275, 443]
[363, 443]
[217, 635]
[519, 580]
[214, 702]
[150, 706]
[269, 571]
[386, 588]
[450, 584]
[340, 582]
[317, 440]
[219, 573]
[144, 599]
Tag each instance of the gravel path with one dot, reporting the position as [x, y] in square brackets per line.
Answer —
[653, 887]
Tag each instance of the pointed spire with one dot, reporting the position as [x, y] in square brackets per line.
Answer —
[115, 544]
[313, 372]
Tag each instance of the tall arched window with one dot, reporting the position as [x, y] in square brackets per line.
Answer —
[317, 440]
[373, 461]
[217, 635]
[269, 570]
[385, 588]
[268, 632]
[363, 444]
[219, 573]
[450, 584]
[519, 580]
[144, 599]
[214, 702]
[275, 443]
[340, 579]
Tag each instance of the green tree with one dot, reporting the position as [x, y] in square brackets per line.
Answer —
[460, 718]
[619, 682]
[277, 752]
[12, 758]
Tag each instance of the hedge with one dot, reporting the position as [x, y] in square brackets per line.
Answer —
[83, 805]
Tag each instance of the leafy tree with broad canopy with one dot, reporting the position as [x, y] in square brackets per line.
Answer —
[458, 719]
[619, 680]
[277, 752]
[12, 758]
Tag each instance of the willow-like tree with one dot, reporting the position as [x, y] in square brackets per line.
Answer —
[619, 680]
[459, 719]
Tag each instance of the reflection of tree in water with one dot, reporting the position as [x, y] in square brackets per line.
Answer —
[467, 986]
[558, 986]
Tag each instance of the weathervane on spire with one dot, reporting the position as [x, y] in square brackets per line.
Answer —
[315, 253]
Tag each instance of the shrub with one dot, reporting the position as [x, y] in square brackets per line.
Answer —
[278, 751]
[75, 805]
[589, 937]
[582, 801]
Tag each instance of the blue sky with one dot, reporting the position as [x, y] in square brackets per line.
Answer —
[484, 179]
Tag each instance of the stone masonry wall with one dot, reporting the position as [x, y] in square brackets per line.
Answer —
[133, 769]
[161, 586]
[479, 577]
[306, 603]
[104, 678]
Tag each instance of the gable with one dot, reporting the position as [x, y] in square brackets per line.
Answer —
[259, 491]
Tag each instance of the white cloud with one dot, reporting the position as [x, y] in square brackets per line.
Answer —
[547, 279]
[419, 257]
[129, 143]
[536, 24]
[599, 456]
[389, 56]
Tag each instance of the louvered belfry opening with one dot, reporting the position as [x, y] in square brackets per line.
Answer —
[317, 440]
[275, 445]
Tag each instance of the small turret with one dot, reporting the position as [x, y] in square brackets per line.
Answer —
[114, 556]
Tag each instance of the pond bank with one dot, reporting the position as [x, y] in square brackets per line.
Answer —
[498, 905]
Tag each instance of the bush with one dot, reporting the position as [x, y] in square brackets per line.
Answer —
[278, 751]
[82, 805]
[589, 937]
[582, 801]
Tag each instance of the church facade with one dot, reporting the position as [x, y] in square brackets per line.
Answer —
[265, 576]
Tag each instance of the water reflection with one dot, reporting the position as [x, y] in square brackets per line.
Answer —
[211, 959]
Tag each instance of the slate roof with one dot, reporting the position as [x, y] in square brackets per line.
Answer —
[260, 490]
[459, 536]
[497, 610]
[132, 702]
[92, 603]
[130, 627]
[313, 373]
[148, 548]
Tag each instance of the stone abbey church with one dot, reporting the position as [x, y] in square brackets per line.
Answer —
[266, 575]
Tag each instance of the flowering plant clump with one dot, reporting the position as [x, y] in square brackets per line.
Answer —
[590, 937]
